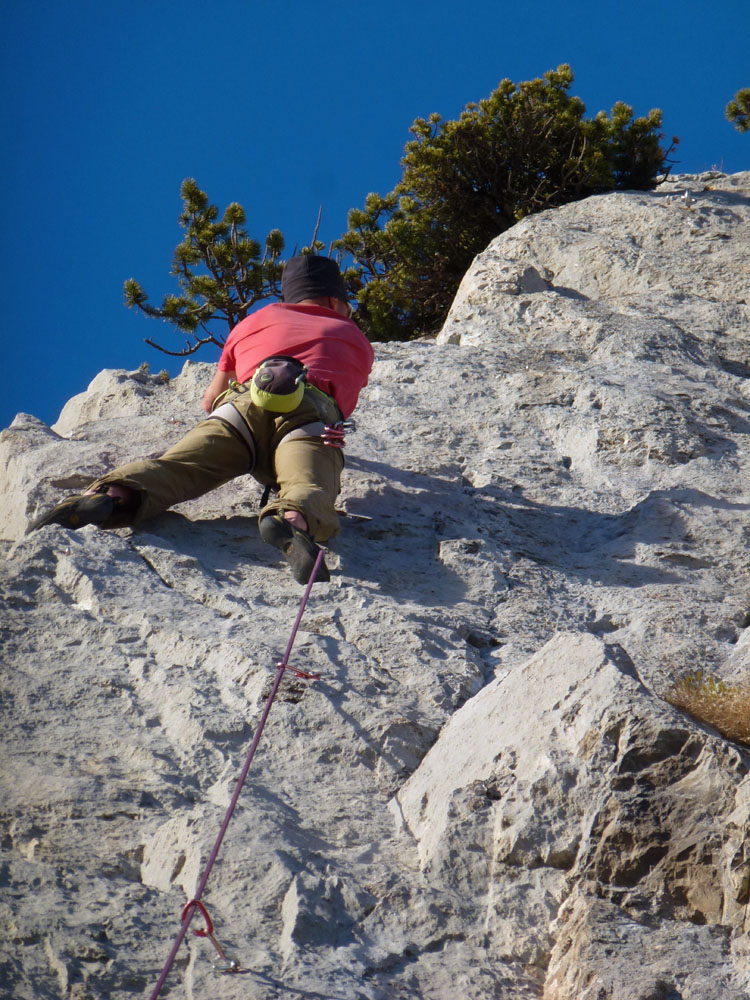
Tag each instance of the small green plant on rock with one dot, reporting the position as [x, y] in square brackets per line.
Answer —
[708, 699]
[164, 376]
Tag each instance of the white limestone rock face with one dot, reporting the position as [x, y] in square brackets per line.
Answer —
[485, 794]
[616, 806]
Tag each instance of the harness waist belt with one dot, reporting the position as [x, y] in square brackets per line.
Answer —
[325, 394]
[245, 387]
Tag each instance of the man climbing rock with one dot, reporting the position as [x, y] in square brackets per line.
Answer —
[288, 377]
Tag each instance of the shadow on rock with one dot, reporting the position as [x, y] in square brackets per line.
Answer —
[411, 513]
[588, 544]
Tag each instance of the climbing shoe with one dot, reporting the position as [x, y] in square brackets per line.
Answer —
[76, 512]
[298, 548]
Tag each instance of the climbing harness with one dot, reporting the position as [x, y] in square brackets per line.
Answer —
[223, 963]
[334, 435]
[278, 386]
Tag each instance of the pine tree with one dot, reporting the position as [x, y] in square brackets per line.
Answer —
[221, 271]
[524, 149]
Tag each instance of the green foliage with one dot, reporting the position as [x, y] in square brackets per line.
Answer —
[222, 273]
[526, 148]
[738, 110]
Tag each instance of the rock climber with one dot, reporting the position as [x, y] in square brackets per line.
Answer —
[288, 378]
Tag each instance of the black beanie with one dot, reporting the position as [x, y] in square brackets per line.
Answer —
[311, 277]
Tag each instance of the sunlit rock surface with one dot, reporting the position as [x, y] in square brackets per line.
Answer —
[485, 794]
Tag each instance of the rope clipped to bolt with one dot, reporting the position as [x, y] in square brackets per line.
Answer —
[223, 963]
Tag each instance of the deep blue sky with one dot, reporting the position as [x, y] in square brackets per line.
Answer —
[282, 107]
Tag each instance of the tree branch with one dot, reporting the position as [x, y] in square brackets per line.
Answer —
[188, 349]
[317, 226]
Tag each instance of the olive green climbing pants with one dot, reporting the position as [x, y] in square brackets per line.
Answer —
[276, 448]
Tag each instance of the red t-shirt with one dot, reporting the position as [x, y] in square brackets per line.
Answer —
[338, 355]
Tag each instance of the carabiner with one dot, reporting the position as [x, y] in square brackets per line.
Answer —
[222, 962]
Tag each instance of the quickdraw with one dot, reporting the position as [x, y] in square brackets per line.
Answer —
[334, 435]
[222, 962]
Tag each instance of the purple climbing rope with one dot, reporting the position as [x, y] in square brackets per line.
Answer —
[195, 903]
